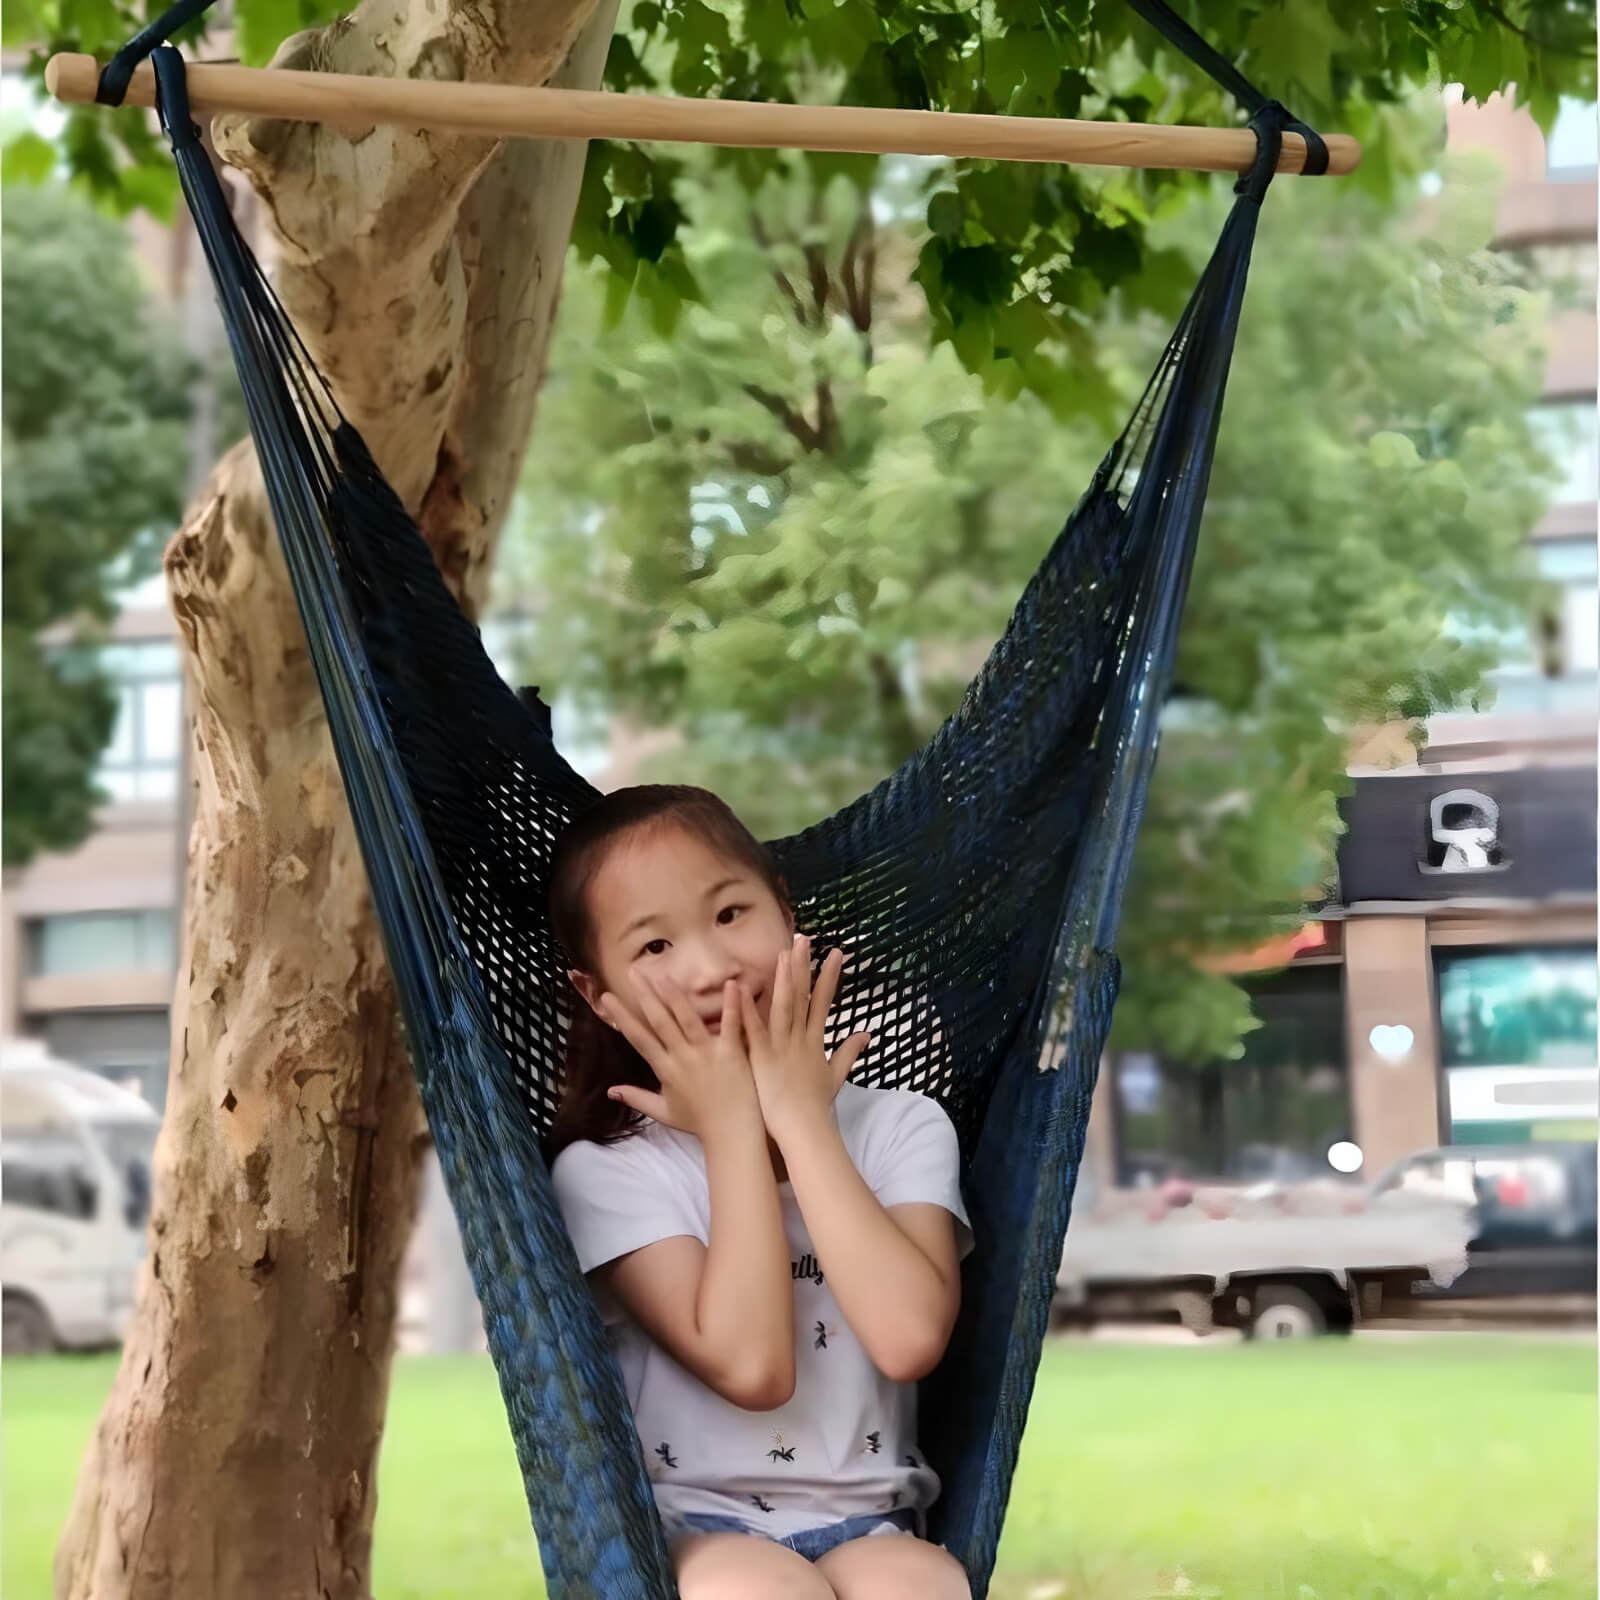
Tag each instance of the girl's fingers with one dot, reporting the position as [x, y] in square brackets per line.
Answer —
[782, 1003]
[633, 1029]
[822, 998]
[799, 986]
[733, 1013]
[677, 1002]
[800, 1019]
[661, 1020]
[652, 1105]
[755, 1030]
[843, 1060]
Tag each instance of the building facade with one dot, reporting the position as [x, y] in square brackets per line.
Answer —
[1446, 993]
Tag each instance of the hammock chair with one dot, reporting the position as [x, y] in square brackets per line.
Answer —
[977, 887]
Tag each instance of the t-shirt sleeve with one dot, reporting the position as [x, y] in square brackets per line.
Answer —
[915, 1159]
[617, 1198]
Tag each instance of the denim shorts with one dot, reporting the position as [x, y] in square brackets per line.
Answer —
[812, 1543]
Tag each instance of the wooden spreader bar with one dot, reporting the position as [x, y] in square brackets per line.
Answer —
[508, 111]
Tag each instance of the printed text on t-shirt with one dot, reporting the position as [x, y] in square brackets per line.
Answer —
[806, 1267]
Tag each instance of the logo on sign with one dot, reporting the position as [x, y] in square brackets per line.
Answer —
[1463, 834]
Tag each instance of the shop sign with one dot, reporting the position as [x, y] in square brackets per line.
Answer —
[1525, 834]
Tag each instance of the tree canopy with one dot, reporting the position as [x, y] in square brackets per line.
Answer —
[1018, 274]
[790, 529]
[1018, 258]
[95, 459]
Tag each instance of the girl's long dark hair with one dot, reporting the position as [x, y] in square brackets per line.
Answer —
[598, 1056]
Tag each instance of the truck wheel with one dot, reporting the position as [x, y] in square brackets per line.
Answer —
[1280, 1311]
[24, 1328]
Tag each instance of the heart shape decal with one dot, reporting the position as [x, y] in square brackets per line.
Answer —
[1392, 1040]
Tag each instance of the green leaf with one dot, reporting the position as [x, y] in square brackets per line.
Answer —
[654, 226]
[973, 338]
[264, 25]
[28, 158]
[979, 273]
[619, 291]
[944, 214]
[1393, 452]
[154, 189]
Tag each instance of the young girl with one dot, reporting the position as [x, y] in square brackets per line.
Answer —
[776, 1250]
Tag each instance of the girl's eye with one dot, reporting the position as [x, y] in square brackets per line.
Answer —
[651, 950]
[728, 912]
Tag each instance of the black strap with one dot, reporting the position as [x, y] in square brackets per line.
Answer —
[118, 73]
[172, 97]
[1178, 33]
[1265, 114]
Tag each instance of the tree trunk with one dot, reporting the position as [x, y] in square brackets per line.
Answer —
[236, 1455]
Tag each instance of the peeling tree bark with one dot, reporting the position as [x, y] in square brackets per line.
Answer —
[236, 1455]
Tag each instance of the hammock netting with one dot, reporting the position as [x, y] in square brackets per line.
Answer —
[977, 889]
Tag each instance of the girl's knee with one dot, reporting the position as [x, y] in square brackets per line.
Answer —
[742, 1566]
[894, 1567]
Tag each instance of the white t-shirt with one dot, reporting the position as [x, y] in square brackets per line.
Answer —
[844, 1444]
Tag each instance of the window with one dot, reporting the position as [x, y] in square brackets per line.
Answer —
[1517, 1039]
[1570, 149]
[1561, 671]
[1566, 431]
[1438, 1176]
[48, 1172]
[1565, 271]
[83, 944]
[1272, 1115]
[1517, 1008]
[141, 762]
[130, 1148]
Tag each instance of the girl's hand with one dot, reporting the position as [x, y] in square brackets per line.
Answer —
[705, 1078]
[795, 1078]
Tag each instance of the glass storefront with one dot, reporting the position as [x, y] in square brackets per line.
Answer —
[1517, 1042]
[1272, 1115]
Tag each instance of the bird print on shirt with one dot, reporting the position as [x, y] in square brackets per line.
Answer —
[874, 1443]
[664, 1451]
[823, 1330]
[759, 1503]
[783, 1452]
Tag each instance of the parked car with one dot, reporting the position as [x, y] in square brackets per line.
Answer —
[75, 1169]
[1535, 1215]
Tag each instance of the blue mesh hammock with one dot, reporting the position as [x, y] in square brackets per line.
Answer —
[977, 887]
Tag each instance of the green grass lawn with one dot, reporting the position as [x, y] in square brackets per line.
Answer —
[1342, 1470]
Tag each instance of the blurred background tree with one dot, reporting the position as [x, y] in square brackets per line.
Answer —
[790, 531]
[95, 457]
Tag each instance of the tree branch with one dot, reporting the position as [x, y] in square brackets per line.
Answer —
[749, 456]
[779, 277]
[860, 267]
[827, 417]
[798, 424]
[821, 284]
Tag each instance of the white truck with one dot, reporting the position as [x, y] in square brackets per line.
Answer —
[1277, 1261]
[75, 1169]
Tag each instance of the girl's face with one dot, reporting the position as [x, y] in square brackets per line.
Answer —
[666, 903]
